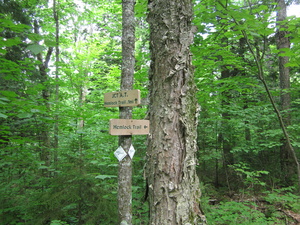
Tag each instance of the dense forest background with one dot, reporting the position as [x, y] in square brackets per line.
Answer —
[58, 58]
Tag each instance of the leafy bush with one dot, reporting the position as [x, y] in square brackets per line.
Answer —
[282, 199]
[236, 213]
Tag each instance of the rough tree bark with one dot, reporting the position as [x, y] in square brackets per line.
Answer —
[173, 186]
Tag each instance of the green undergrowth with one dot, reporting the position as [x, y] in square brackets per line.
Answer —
[278, 206]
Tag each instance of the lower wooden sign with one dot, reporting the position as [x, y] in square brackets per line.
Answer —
[128, 127]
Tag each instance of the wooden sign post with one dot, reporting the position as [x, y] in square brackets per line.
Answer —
[124, 103]
[125, 128]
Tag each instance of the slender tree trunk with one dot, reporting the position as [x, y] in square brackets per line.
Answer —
[226, 141]
[44, 128]
[285, 99]
[82, 99]
[173, 185]
[128, 62]
[56, 19]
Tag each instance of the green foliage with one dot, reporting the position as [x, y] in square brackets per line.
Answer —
[236, 213]
[236, 119]
[57, 222]
[36, 48]
[79, 183]
[269, 207]
[283, 198]
[248, 177]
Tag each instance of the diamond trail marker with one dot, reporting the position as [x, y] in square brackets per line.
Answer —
[131, 151]
[122, 98]
[120, 153]
[128, 127]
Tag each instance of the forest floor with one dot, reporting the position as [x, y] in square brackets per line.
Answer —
[278, 207]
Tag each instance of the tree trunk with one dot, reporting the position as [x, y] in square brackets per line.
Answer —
[128, 62]
[227, 142]
[44, 147]
[80, 129]
[285, 99]
[56, 129]
[173, 185]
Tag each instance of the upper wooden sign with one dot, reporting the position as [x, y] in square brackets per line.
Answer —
[128, 127]
[122, 98]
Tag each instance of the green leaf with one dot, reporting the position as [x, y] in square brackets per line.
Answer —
[11, 42]
[71, 206]
[50, 43]
[43, 167]
[35, 110]
[102, 177]
[36, 48]
[24, 115]
[3, 99]
[57, 222]
[35, 37]
[291, 64]
[3, 116]
[9, 93]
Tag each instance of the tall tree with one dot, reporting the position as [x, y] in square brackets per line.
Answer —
[43, 74]
[56, 20]
[258, 50]
[283, 42]
[173, 186]
[128, 60]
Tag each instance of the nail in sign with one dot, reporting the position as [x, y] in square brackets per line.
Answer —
[122, 98]
[128, 127]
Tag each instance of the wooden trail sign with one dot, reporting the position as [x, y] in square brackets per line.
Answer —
[128, 127]
[122, 98]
